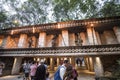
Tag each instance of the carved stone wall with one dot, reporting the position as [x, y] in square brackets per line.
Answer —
[71, 39]
[110, 37]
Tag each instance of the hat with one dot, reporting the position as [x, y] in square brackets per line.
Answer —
[42, 60]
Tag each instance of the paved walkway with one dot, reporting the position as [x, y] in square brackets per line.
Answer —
[19, 77]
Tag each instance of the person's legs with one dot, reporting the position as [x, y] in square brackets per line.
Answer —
[27, 76]
[32, 77]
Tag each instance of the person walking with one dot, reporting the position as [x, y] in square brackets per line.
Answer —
[41, 71]
[26, 68]
[47, 76]
[63, 68]
[33, 69]
[2, 65]
[61, 71]
[75, 73]
[69, 73]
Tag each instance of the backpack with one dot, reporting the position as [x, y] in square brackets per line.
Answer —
[57, 74]
[75, 74]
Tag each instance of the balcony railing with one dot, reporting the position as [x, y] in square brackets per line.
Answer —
[112, 49]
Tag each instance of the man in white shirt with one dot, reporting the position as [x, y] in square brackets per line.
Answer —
[63, 68]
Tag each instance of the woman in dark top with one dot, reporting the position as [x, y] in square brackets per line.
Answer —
[41, 72]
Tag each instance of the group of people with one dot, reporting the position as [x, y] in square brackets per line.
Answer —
[66, 72]
[40, 72]
[35, 71]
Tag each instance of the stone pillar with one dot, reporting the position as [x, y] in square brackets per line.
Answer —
[65, 38]
[49, 40]
[91, 67]
[72, 39]
[87, 63]
[60, 40]
[110, 37]
[17, 65]
[34, 42]
[98, 67]
[42, 39]
[117, 33]
[98, 38]
[103, 41]
[83, 38]
[51, 64]
[92, 36]
[2, 41]
[22, 41]
[73, 61]
[93, 40]
[58, 61]
[7, 42]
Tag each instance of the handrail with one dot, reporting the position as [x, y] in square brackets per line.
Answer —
[63, 51]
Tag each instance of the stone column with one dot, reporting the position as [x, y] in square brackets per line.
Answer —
[2, 41]
[72, 39]
[110, 37]
[92, 36]
[65, 38]
[58, 61]
[90, 60]
[42, 39]
[60, 40]
[93, 40]
[98, 38]
[34, 42]
[87, 63]
[7, 42]
[22, 41]
[103, 41]
[98, 67]
[17, 65]
[73, 61]
[49, 40]
[51, 64]
[83, 38]
[117, 33]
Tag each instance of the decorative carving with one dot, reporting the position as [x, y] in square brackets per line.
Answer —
[72, 50]
[30, 43]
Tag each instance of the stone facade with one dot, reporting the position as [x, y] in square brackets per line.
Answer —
[64, 38]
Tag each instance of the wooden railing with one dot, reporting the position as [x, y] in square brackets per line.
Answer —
[112, 49]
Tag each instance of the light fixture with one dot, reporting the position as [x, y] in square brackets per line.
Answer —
[12, 32]
[91, 25]
[33, 29]
[59, 26]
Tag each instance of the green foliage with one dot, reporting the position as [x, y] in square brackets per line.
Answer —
[3, 17]
[116, 72]
[110, 9]
[32, 12]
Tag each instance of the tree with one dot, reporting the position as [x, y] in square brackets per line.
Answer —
[32, 12]
[110, 8]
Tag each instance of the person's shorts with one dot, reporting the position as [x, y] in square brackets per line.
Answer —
[26, 74]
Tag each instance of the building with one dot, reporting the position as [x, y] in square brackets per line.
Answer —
[95, 42]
